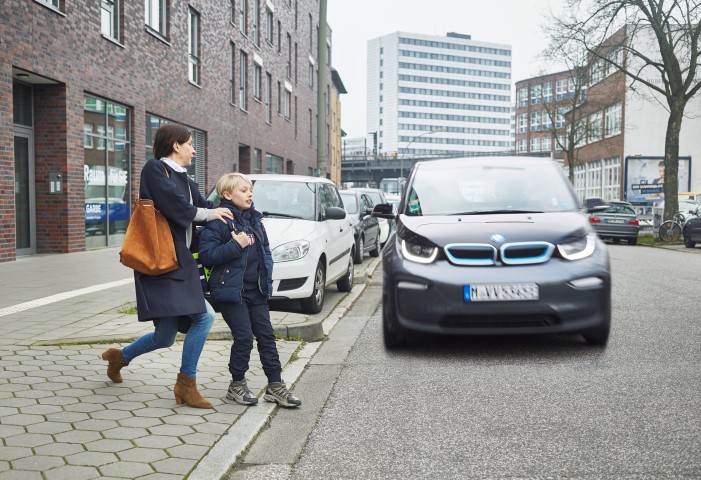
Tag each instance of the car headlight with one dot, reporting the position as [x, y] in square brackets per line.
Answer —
[419, 253]
[290, 251]
[577, 248]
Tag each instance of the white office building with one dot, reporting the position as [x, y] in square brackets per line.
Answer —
[435, 95]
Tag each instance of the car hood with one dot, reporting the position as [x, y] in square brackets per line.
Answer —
[548, 227]
[283, 230]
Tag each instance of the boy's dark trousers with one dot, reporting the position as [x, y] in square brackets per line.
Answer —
[248, 319]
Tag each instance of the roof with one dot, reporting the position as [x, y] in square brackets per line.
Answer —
[338, 83]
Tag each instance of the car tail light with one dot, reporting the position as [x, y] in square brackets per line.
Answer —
[593, 219]
[634, 222]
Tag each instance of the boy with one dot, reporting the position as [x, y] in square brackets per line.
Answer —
[241, 282]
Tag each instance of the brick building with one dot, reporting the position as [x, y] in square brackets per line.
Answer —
[84, 85]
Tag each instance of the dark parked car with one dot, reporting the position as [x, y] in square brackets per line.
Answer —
[618, 221]
[378, 196]
[692, 227]
[493, 245]
[366, 229]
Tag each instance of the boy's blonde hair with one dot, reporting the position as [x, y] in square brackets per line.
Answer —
[230, 182]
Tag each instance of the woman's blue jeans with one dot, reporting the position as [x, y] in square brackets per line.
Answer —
[164, 334]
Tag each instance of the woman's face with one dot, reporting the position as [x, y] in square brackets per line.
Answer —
[183, 153]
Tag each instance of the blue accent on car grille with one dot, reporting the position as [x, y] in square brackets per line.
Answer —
[483, 254]
[524, 253]
[471, 253]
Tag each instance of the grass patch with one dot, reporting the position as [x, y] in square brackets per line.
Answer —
[128, 309]
[654, 241]
[295, 354]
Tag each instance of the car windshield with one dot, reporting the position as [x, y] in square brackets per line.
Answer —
[285, 199]
[349, 202]
[478, 188]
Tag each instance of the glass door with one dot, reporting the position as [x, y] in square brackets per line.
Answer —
[24, 193]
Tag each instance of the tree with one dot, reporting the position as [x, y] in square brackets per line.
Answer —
[660, 52]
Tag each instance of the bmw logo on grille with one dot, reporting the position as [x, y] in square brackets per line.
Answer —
[496, 238]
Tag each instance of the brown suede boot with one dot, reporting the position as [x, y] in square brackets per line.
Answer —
[116, 362]
[185, 391]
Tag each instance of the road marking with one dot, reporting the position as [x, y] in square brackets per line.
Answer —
[20, 307]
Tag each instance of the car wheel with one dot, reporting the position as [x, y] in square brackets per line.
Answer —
[632, 240]
[359, 253]
[315, 301]
[393, 334]
[688, 243]
[375, 252]
[598, 336]
[345, 283]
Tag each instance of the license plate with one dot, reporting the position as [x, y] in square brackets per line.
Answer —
[500, 292]
[614, 220]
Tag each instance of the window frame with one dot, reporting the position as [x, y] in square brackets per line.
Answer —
[194, 73]
[114, 13]
[243, 80]
[161, 26]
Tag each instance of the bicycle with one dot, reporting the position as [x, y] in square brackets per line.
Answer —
[671, 230]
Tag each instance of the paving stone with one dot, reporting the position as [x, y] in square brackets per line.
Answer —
[59, 449]
[24, 380]
[67, 416]
[126, 469]
[171, 430]
[182, 420]
[157, 441]
[111, 415]
[109, 445]
[21, 419]
[13, 387]
[40, 409]
[13, 453]
[60, 400]
[209, 427]
[226, 418]
[95, 425]
[84, 407]
[72, 472]
[91, 459]
[20, 402]
[4, 466]
[126, 405]
[140, 422]
[78, 436]
[76, 392]
[153, 412]
[138, 397]
[125, 433]
[34, 394]
[200, 439]
[161, 476]
[109, 391]
[20, 475]
[38, 463]
[193, 452]
[176, 466]
[165, 402]
[10, 430]
[49, 428]
[51, 386]
[28, 440]
[7, 411]
[101, 399]
[144, 455]
[11, 374]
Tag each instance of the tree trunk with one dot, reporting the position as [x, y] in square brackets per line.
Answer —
[671, 160]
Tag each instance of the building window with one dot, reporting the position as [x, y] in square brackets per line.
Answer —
[256, 166]
[595, 127]
[612, 178]
[243, 16]
[234, 12]
[546, 122]
[193, 41]
[561, 89]
[243, 80]
[257, 79]
[597, 72]
[535, 121]
[613, 120]
[296, 132]
[269, 23]
[279, 99]
[522, 96]
[51, 3]
[547, 92]
[279, 37]
[107, 163]
[268, 98]
[311, 33]
[311, 75]
[535, 94]
[535, 144]
[110, 18]
[288, 103]
[288, 70]
[560, 117]
[546, 144]
[256, 22]
[310, 127]
[522, 123]
[232, 74]
[273, 163]
[156, 16]
[521, 145]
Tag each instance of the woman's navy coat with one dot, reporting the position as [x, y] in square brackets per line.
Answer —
[219, 249]
[179, 292]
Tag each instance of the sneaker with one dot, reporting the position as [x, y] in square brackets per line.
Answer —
[278, 392]
[239, 392]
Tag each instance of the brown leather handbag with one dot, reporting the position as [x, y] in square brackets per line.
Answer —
[148, 244]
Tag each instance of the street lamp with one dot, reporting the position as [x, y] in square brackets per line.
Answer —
[401, 156]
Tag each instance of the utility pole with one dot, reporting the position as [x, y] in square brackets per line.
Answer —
[322, 73]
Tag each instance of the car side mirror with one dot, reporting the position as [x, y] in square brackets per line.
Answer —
[384, 210]
[335, 213]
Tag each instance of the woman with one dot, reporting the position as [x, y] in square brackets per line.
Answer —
[173, 300]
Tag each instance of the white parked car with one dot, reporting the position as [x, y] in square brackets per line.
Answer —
[310, 235]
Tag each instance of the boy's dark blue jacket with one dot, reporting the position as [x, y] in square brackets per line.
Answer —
[227, 258]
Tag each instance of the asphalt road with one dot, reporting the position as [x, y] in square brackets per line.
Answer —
[518, 407]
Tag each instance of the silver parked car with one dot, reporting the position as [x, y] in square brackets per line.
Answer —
[493, 245]
[618, 221]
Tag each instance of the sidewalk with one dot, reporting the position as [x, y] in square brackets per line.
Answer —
[61, 418]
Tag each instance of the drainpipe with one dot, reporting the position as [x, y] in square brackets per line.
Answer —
[322, 73]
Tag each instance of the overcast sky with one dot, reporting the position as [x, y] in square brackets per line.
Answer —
[354, 22]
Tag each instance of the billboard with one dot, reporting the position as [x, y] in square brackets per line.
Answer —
[644, 178]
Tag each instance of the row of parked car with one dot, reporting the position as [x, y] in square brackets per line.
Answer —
[317, 234]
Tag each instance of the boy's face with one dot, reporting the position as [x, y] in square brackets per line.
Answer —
[242, 196]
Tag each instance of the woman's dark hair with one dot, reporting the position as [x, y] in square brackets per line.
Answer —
[166, 136]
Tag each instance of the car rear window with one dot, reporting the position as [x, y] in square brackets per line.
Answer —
[620, 209]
